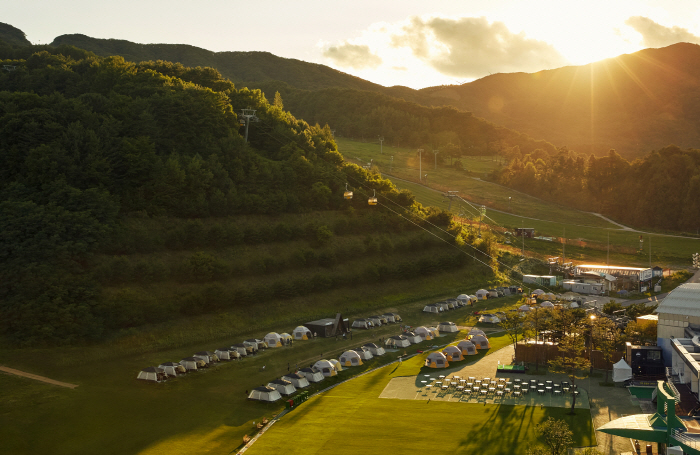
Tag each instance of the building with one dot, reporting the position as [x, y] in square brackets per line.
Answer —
[615, 278]
[329, 327]
[679, 317]
[526, 232]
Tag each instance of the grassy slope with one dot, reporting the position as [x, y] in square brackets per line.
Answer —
[587, 234]
[349, 417]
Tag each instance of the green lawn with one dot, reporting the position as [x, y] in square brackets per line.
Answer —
[350, 418]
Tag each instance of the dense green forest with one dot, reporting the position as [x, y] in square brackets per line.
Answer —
[105, 162]
[659, 191]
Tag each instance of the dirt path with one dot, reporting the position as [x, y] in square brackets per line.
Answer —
[37, 377]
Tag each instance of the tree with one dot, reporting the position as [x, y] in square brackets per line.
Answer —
[514, 325]
[611, 307]
[609, 338]
[557, 435]
[278, 101]
[571, 360]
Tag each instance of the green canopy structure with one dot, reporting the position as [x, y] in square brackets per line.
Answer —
[662, 427]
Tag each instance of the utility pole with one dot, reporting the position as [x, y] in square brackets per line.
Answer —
[435, 152]
[564, 238]
[509, 198]
[482, 212]
[420, 164]
[391, 166]
[381, 145]
[607, 261]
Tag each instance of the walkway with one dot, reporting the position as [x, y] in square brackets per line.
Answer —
[37, 377]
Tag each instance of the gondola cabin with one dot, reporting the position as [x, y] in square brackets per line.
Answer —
[347, 194]
[373, 199]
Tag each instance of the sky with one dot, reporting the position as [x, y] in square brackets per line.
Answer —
[404, 42]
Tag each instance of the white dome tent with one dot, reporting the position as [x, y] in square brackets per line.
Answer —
[482, 294]
[489, 318]
[434, 331]
[481, 342]
[473, 298]
[325, 367]
[524, 308]
[431, 308]
[453, 353]
[273, 340]
[302, 333]
[286, 339]
[448, 327]
[547, 304]
[476, 331]
[350, 359]
[464, 298]
[436, 360]
[467, 347]
[263, 393]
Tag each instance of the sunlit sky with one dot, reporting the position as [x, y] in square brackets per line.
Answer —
[407, 42]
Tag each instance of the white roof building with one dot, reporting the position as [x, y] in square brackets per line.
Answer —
[680, 310]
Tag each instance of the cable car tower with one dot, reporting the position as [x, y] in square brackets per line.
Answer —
[248, 116]
[450, 195]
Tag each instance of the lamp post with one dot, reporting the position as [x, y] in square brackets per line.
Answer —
[420, 164]
[509, 198]
[590, 344]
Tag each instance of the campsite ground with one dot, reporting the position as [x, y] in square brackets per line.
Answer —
[203, 412]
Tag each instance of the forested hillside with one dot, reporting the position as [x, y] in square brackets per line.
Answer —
[659, 191]
[127, 191]
[13, 36]
[633, 103]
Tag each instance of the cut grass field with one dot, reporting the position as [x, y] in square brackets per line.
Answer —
[350, 418]
[586, 233]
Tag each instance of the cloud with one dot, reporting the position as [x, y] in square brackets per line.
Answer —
[656, 35]
[356, 56]
[472, 47]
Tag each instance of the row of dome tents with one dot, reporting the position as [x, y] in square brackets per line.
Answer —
[447, 305]
[476, 340]
[198, 361]
[355, 357]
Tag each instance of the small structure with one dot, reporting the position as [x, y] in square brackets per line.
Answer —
[392, 317]
[154, 374]
[467, 347]
[361, 324]
[329, 327]
[326, 368]
[481, 342]
[413, 337]
[350, 359]
[172, 368]
[255, 343]
[622, 371]
[286, 339]
[397, 341]
[312, 374]
[453, 353]
[377, 320]
[240, 348]
[192, 363]
[302, 333]
[434, 331]
[436, 360]
[364, 353]
[431, 308]
[298, 380]
[524, 308]
[647, 360]
[273, 340]
[374, 349]
[475, 331]
[482, 294]
[225, 354]
[547, 304]
[209, 357]
[448, 327]
[283, 386]
[464, 298]
[336, 364]
[473, 298]
[264, 393]
[525, 232]
[489, 318]
[424, 333]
